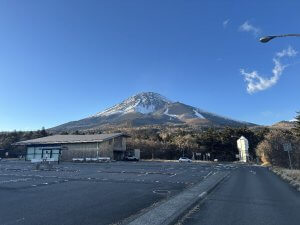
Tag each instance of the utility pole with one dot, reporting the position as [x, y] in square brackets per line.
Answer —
[287, 147]
[290, 160]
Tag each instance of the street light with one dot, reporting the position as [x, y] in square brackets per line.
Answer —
[269, 38]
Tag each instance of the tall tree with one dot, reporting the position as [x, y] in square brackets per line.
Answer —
[296, 129]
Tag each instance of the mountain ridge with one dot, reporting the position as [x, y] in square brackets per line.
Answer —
[284, 124]
[149, 108]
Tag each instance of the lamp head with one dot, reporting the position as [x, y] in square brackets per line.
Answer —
[266, 39]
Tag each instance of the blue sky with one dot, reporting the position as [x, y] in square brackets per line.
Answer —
[65, 60]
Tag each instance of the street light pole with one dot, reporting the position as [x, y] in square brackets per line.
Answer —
[269, 38]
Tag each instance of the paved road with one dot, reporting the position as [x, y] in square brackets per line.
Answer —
[251, 195]
[90, 193]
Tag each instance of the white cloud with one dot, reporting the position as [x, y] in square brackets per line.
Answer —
[287, 52]
[225, 23]
[256, 82]
[247, 27]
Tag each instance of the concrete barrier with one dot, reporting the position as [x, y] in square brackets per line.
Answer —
[170, 211]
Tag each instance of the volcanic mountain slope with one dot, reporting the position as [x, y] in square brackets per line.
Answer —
[149, 108]
[288, 125]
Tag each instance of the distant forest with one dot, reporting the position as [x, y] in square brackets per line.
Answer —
[208, 144]
[162, 142]
[8, 138]
[171, 142]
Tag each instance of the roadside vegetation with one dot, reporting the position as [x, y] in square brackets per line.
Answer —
[271, 152]
[291, 176]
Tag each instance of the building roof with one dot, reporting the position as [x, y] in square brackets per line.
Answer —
[68, 139]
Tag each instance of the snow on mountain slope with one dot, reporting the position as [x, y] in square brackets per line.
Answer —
[155, 104]
[198, 114]
[145, 103]
[166, 112]
[150, 108]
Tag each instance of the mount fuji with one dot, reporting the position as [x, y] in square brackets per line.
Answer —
[149, 108]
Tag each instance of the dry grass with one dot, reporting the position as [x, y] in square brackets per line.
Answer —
[291, 176]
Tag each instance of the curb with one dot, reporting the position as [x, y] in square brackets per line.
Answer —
[170, 211]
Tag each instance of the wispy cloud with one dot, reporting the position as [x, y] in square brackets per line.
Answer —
[287, 52]
[255, 82]
[271, 114]
[225, 23]
[247, 27]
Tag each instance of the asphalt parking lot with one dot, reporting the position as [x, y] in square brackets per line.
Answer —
[103, 193]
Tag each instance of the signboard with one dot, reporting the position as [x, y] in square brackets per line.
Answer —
[287, 147]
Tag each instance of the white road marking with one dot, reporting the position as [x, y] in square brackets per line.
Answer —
[203, 194]
[207, 175]
[14, 181]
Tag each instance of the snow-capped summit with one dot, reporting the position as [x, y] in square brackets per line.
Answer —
[149, 108]
[145, 103]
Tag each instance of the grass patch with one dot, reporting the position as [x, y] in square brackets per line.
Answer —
[291, 176]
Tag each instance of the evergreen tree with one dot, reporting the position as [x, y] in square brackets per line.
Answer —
[296, 129]
[43, 132]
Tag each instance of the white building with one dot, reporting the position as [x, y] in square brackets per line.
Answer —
[243, 146]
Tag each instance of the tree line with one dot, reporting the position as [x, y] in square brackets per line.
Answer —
[172, 142]
[206, 144]
[271, 149]
[162, 142]
[8, 138]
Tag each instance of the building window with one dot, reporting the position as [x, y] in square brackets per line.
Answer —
[110, 142]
